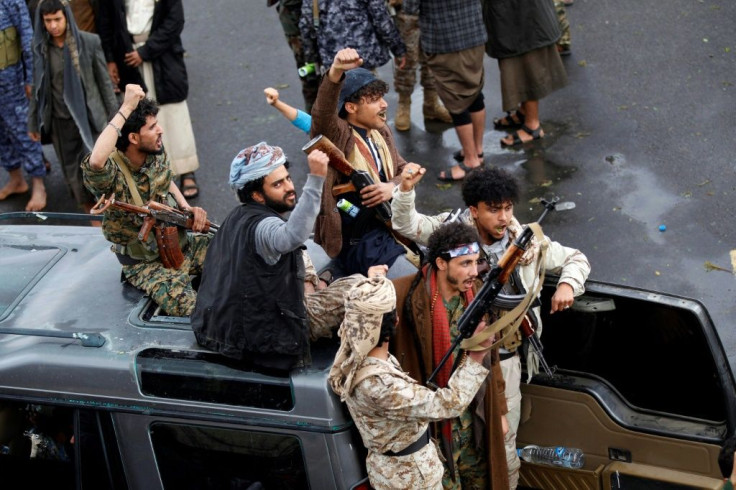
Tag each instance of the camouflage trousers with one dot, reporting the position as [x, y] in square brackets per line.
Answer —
[405, 78]
[289, 13]
[326, 307]
[171, 289]
[471, 465]
[565, 40]
[16, 147]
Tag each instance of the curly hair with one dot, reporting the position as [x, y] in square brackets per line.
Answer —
[245, 193]
[374, 89]
[136, 120]
[490, 185]
[449, 236]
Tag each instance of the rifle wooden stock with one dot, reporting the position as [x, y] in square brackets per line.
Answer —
[343, 188]
[358, 178]
[152, 212]
[492, 286]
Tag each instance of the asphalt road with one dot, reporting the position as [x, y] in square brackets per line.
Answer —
[641, 137]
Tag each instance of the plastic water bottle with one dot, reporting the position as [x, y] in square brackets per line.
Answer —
[348, 208]
[569, 457]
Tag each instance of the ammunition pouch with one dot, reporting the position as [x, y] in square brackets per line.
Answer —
[169, 251]
[9, 47]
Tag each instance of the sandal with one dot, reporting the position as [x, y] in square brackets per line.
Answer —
[446, 175]
[459, 157]
[536, 134]
[511, 120]
[188, 187]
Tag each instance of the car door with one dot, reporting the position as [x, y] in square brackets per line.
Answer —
[642, 385]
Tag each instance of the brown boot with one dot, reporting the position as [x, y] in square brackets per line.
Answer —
[434, 110]
[403, 113]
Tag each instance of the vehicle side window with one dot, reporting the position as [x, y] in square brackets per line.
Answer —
[199, 457]
[43, 443]
[36, 441]
[655, 355]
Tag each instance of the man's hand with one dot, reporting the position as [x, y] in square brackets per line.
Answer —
[272, 95]
[504, 425]
[112, 70]
[318, 161]
[377, 271]
[410, 176]
[133, 59]
[345, 59]
[29, 91]
[133, 95]
[401, 62]
[563, 297]
[199, 218]
[375, 194]
[34, 136]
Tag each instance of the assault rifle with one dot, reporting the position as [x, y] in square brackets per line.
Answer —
[152, 212]
[359, 179]
[493, 283]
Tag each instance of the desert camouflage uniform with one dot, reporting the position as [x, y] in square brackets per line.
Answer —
[170, 288]
[289, 13]
[405, 78]
[565, 40]
[326, 307]
[391, 411]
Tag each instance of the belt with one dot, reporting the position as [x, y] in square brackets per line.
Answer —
[413, 447]
[127, 259]
[506, 355]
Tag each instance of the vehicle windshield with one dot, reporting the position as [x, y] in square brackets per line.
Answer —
[20, 267]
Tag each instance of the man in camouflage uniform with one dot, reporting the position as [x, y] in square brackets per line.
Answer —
[405, 77]
[565, 41]
[432, 302]
[129, 151]
[490, 194]
[16, 65]
[390, 409]
[289, 13]
[274, 302]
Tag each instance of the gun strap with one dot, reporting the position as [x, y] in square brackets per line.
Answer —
[515, 316]
[120, 162]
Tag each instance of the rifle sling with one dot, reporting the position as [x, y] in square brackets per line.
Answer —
[132, 187]
[515, 316]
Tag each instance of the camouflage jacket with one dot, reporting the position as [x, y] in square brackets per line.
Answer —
[391, 411]
[152, 179]
[361, 24]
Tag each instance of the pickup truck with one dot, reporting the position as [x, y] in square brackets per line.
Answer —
[99, 389]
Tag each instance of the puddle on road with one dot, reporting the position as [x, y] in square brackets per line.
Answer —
[640, 194]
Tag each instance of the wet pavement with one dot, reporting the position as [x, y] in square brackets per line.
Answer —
[641, 137]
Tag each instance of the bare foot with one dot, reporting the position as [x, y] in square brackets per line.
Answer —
[14, 186]
[38, 196]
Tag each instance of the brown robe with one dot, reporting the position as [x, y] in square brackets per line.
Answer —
[328, 227]
[414, 352]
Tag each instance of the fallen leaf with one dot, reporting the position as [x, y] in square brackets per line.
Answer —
[282, 86]
[546, 183]
[733, 260]
[705, 182]
[710, 266]
[582, 63]
[657, 273]
[444, 187]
